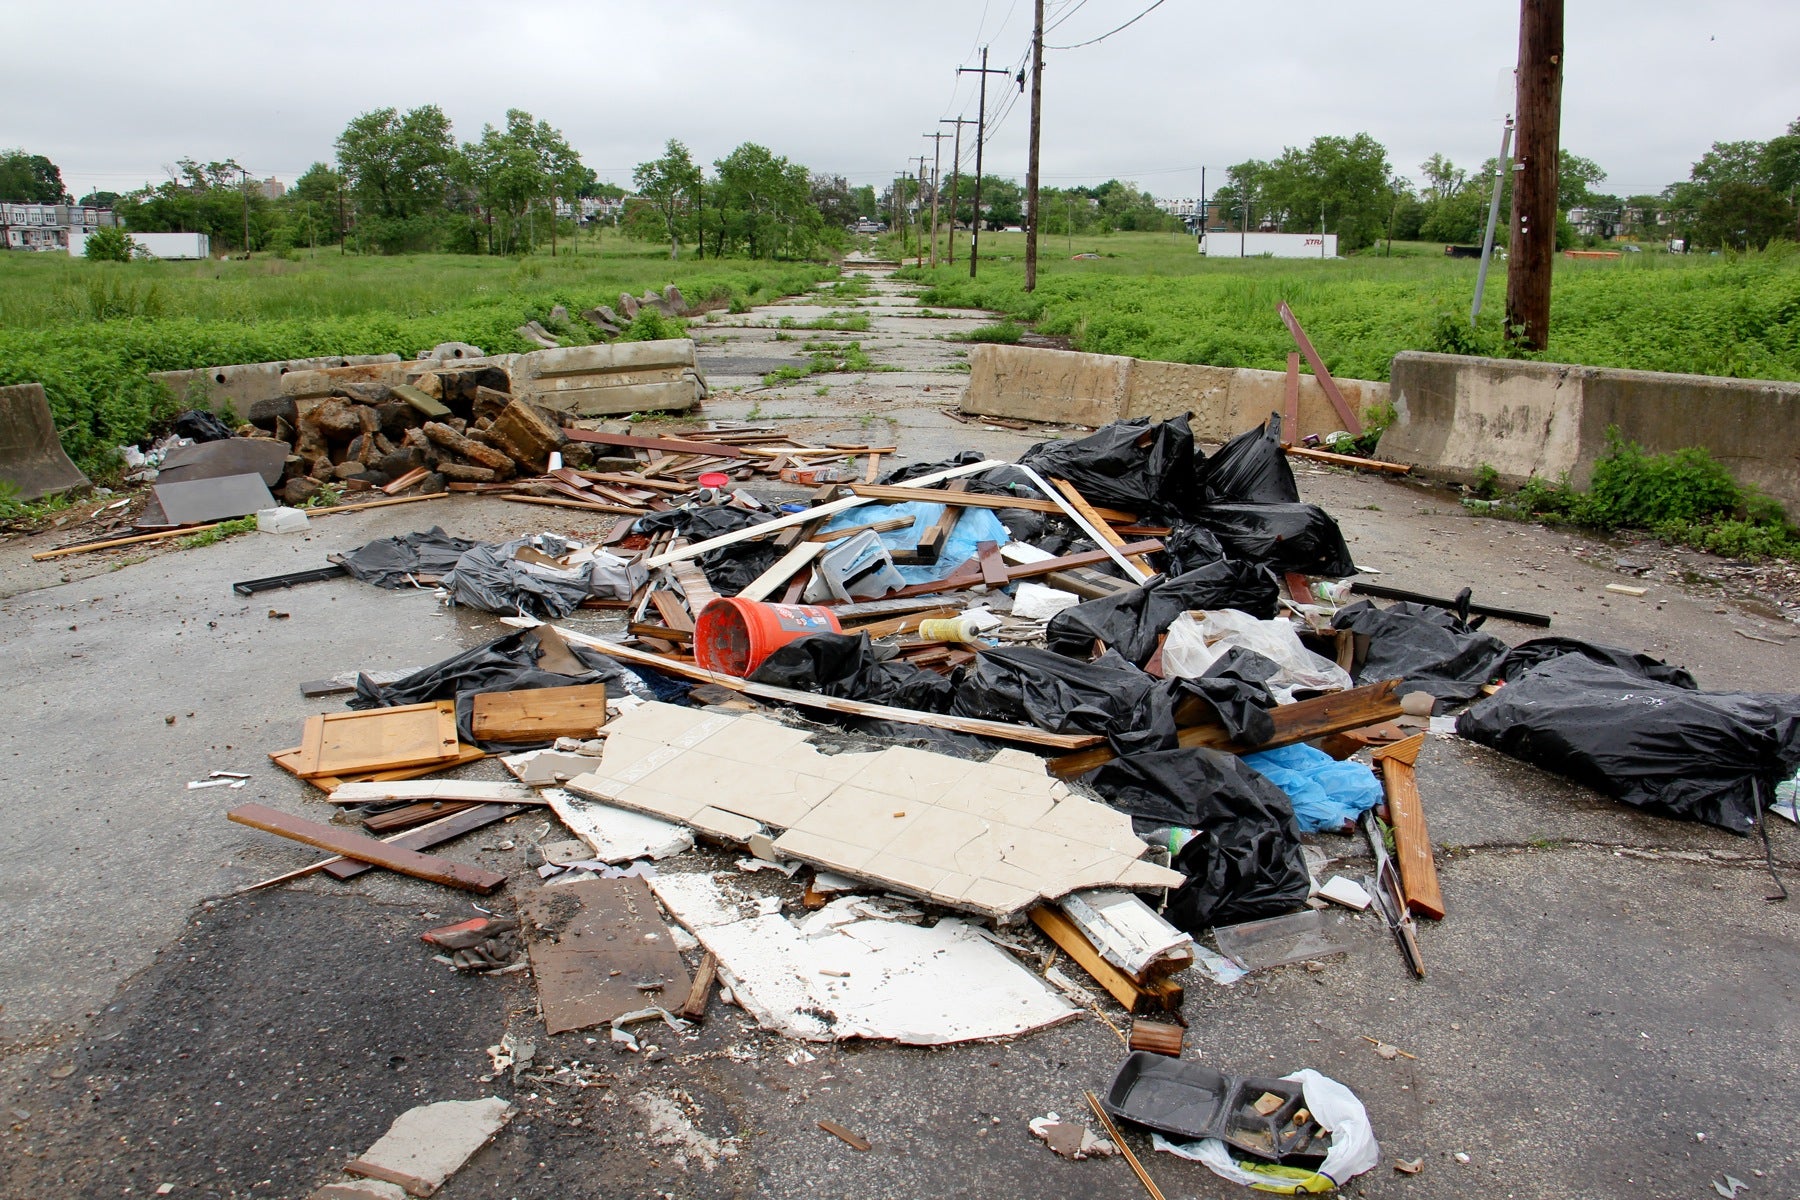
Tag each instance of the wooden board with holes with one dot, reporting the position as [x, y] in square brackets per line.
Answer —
[538, 714]
[378, 739]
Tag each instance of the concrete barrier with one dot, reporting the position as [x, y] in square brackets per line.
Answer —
[611, 378]
[1068, 387]
[1453, 414]
[31, 457]
[242, 384]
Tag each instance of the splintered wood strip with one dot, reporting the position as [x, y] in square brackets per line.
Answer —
[1412, 841]
[872, 469]
[1347, 460]
[669, 607]
[698, 995]
[1079, 503]
[896, 492]
[406, 816]
[367, 849]
[855, 1141]
[427, 836]
[667, 445]
[637, 481]
[783, 570]
[555, 503]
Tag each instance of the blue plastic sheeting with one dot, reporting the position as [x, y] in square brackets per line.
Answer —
[1327, 794]
[976, 525]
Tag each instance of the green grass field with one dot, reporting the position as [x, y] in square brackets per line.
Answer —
[1153, 296]
[90, 331]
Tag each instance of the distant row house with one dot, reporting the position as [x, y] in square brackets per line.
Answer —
[47, 226]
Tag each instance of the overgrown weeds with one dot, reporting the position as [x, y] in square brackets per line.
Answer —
[1006, 333]
[1685, 497]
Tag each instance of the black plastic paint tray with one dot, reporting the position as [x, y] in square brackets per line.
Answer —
[1188, 1101]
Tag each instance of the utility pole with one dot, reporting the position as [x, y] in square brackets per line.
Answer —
[980, 140]
[244, 187]
[919, 239]
[343, 233]
[936, 145]
[1031, 162]
[1487, 239]
[1244, 237]
[1532, 250]
[955, 179]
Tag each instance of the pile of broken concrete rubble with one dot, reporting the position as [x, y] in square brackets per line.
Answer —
[1108, 694]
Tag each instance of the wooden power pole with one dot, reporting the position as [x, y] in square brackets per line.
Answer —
[1031, 162]
[937, 141]
[1531, 253]
[980, 140]
[955, 180]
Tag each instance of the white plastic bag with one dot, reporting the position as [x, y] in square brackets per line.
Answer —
[1194, 645]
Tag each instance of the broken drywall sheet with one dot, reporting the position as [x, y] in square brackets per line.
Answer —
[842, 973]
[992, 838]
[1129, 934]
[426, 1145]
[617, 835]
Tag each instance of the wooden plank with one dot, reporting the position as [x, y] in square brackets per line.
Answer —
[783, 570]
[599, 949]
[1347, 460]
[695, 1007]
[996, 729]
[379, 739]
[907, 493]
[993, 567]
[408, 815]
[1291, 426]
[538, 714]
[552, 502]
[288, 760]
[1298, 722]
[666, 445]
[823, 510]
[872, 469]
[1412, 841]
[669, 607]
[796, 588]
[930, 545]
[885, 525]
[1345, 413]
[405, 481]
[849, 1137]
[969, 574]
[422, 838]
[694, 586]
[437, 789]
[1087, 510]
[636, 481]
[367, 849]
[1164, 995]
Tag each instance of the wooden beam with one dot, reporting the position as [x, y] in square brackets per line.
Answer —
[694, 1009]
[886, 525]
[552, 502]
[783, 570]
[1298, 722]
[367, 849]
[1347, 460]
[1087, 510]
[1345, 413]
[666, 445]
[1163, 995]
[996, 729]
[1291, 427]
[905, 624]
[907, 493]
[1412, 841]
[969, 573]
[930, 545]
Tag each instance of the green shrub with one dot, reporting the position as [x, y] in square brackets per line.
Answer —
[1005, 333]
[109, 243]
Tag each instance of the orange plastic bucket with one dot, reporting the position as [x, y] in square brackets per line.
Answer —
[733, 636]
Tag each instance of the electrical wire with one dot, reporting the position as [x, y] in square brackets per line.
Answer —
[1066, 14]
[1110, 32]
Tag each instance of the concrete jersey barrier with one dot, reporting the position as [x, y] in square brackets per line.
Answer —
[1454, 414]
[31, 456]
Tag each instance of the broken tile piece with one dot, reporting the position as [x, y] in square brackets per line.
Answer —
[360, 1189]
[426, 1145]
[617, 835]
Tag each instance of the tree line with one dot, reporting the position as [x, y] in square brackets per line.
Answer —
[1738, 195]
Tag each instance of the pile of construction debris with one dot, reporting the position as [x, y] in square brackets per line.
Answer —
[1110, 693]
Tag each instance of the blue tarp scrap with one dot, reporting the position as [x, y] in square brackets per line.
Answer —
[976, 525]
[1327, 794]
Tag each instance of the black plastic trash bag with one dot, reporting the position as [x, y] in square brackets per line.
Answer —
[1284, 537]
[1528, 655]
[1188, 546]
[397, 562]
[1701, 756]
[1130, 622]
[1236, 688]
[844, 664]
[1243, 862]
[491, 579]
[1145, 468]
[1430, 648]
[1108, 696]
[196, 424]
[1250, 469]
[527, 659]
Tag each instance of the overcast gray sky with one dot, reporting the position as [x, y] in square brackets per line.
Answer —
[849, 87]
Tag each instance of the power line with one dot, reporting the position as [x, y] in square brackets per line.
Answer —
[1065, 15]
[1110, 32]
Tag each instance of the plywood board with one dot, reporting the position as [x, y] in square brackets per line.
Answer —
[378, 739]
[538, 714]
[992, 838]
[599, 949]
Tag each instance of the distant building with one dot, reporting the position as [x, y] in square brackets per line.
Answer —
[272, 188]
[1185, 206]
[47, 226]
